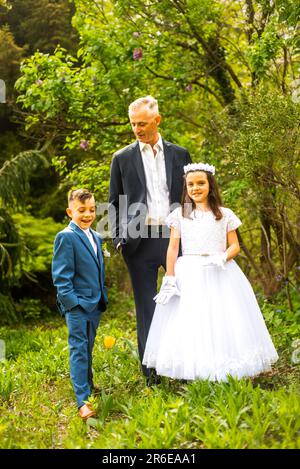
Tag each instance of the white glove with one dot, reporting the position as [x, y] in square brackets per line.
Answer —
[167, 290]
[219, 260]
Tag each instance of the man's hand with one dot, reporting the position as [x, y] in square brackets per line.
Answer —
[219, 260]
[167, 290]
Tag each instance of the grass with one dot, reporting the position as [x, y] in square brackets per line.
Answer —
[37, 406]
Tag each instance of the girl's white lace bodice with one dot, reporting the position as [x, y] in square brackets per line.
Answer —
[202, 233]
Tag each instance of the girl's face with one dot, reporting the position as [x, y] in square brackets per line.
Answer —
[197, 186]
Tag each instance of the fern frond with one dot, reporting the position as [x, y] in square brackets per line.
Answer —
[15, 176]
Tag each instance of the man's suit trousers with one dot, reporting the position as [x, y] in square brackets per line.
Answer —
[143, 268]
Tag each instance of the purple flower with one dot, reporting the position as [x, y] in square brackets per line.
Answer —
[278, 277]
[84, 145]
[39, 82]
[189, 87]
[137, 53]
[136, 34]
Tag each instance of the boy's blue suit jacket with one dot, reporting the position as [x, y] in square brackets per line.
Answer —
[78, 274]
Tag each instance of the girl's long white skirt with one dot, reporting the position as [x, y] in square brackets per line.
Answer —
[214, 329]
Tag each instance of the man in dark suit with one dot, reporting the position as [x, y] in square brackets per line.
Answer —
[146, 182]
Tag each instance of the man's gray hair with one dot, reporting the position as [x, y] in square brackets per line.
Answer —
[147, 101]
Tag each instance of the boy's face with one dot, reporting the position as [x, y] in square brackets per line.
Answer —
[82, 213]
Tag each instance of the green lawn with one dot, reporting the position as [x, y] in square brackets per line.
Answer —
[38, 408]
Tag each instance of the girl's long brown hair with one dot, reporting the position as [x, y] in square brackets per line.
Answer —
[214, 197]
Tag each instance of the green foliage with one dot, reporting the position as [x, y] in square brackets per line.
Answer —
[9, 145]
[258, 413]
[26, 309]
[265, 47]
[14, 183]
[7, 310]
[206, 62]
[192, 55]
[38, 237]
[259, 163]
[89, 173]
[41, 25]
[278, 317]
[264, 136]
[289, 11]
[31, 309]
[15, 175]
[10, 248]
[10, 57]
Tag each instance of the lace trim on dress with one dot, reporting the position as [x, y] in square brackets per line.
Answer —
[251, 364]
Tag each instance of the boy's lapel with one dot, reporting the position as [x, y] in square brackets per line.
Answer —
[84, 239]
[99, 247]
[98, 242]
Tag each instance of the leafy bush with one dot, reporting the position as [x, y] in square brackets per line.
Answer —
[29, 308]
[38, 236]
[259, 170]
[7, 310]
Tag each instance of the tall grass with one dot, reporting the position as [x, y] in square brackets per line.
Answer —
[38, 407]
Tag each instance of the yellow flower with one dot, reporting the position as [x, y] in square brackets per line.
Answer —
[109, 341]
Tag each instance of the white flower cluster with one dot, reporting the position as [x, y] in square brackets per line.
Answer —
[199, 167]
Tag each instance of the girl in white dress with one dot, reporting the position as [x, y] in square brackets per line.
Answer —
[207, 323]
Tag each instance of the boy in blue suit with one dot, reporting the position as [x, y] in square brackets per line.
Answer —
[78, 275]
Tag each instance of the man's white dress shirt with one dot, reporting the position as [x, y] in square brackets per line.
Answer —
[90, 238]
[158, 197]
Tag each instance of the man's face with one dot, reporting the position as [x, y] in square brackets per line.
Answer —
[82, 213]
[144, 125]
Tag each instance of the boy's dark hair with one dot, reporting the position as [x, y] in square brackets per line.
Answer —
[214, 198]
[80, 194]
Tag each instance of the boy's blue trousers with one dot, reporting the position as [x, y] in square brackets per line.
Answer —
[82, 327]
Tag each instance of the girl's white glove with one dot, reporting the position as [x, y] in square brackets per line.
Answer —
[167, 290]
[219, 260]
